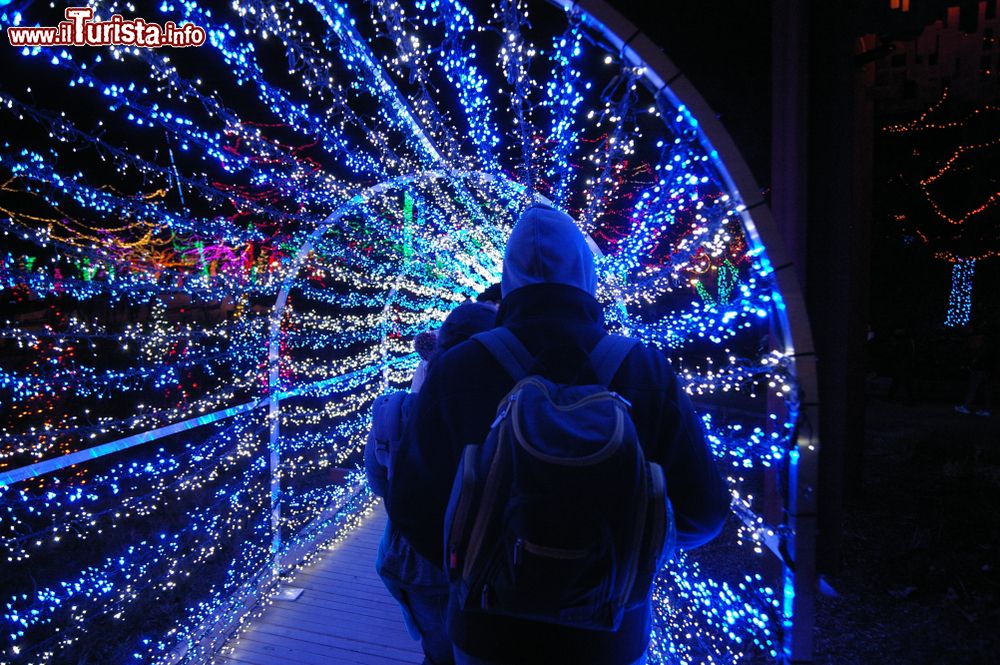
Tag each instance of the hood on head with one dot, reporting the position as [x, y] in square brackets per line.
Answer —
[546, 247]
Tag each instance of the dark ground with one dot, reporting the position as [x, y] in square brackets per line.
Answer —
[919, 580]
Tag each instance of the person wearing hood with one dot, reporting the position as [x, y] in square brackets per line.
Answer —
[548, 286]
[418, 585]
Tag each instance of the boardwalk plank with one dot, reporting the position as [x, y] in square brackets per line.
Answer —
[224, 660]
[310, 653]
[344, 615]
[264, 653]
[371, 588]
[345, 627]
[327, 603]
[320, 643]
[386, 615]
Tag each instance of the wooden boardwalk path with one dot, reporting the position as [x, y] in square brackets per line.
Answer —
[344, 615]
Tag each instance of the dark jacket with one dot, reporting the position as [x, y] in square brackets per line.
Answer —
[456, 406]
[396, 560]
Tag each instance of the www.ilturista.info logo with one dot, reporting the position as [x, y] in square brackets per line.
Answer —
[81, 29]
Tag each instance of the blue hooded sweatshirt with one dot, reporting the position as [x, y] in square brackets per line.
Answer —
[548, 303]
[546, 247]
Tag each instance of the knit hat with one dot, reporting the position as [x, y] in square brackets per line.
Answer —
[426, 344]
[546, 247]
[466, 320]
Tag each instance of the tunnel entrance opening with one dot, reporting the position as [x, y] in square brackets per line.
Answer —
[259, 292]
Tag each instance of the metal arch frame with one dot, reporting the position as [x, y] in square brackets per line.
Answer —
[274, 345]
[665, 79]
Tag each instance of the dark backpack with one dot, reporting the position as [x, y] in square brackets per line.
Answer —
[557, 517]
[389, 414]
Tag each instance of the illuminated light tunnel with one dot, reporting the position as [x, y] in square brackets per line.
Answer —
[216, 257]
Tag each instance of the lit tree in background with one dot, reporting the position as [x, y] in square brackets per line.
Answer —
[944, 190]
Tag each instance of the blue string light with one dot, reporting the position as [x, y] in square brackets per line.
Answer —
[960, 296]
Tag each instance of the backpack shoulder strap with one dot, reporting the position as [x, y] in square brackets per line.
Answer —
[608, 356]
[508, 351]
